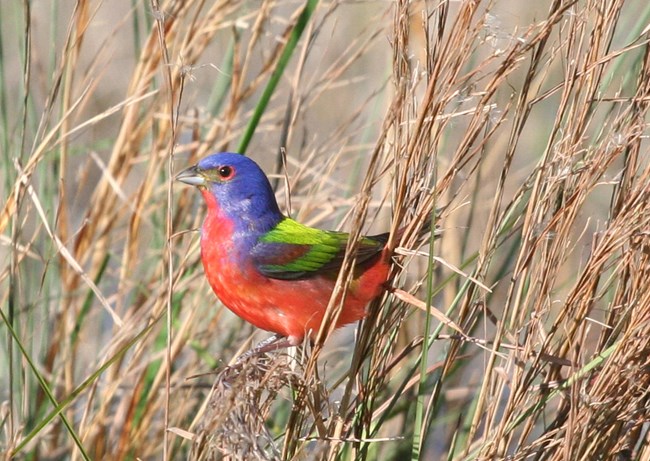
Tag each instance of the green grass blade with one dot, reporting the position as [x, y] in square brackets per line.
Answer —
[46, 389]
[284, 59]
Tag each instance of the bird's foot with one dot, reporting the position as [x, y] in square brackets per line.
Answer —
[270, 344]
[253, 363]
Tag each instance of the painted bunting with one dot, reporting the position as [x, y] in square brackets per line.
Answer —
[267, 268]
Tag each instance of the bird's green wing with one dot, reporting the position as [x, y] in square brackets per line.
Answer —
[292, 251]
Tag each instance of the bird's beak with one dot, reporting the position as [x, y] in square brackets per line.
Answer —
[192, 176]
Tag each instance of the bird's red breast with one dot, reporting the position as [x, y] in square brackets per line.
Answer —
[291, 308]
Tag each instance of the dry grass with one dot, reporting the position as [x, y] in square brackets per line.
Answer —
[526, 124]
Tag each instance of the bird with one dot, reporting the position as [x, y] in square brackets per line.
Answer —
[268, 268]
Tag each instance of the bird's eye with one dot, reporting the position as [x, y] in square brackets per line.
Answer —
[226, 172]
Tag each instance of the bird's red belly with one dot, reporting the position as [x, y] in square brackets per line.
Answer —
[292, 308]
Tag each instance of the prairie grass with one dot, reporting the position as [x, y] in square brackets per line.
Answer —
[522, 333]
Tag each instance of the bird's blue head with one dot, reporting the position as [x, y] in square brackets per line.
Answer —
[241, 189]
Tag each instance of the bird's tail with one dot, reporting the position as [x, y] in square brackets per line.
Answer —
[427, 228]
